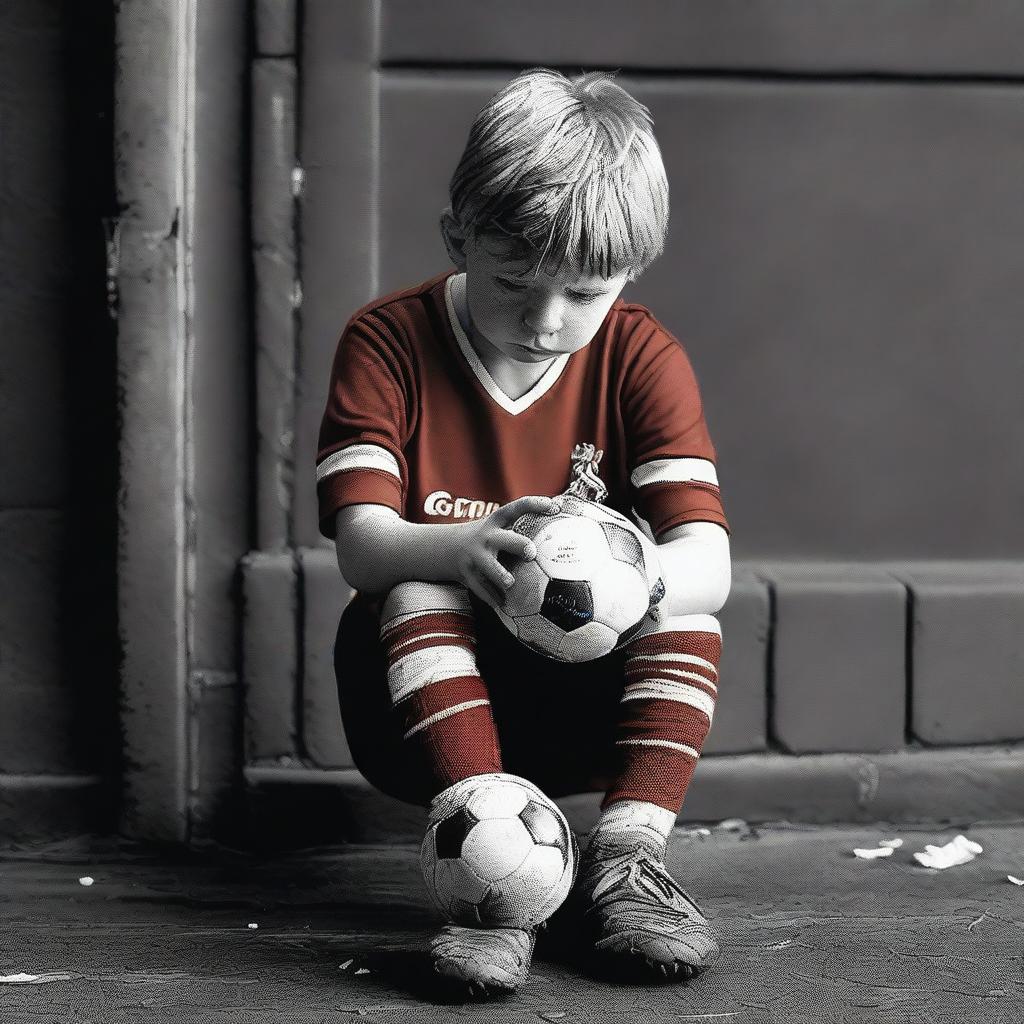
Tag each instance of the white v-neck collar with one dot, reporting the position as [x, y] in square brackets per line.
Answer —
[510, 405]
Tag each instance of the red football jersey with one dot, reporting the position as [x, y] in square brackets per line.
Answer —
[414, 421]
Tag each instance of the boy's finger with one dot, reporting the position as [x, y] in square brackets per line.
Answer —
[499, 578]
[517, 545]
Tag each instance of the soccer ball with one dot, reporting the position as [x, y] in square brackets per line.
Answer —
[497, 853]
[590, 587]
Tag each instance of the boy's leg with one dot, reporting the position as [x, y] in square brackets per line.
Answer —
[428, 633]
[374, 738]
[429, 639]
[668, 702]
[638, 916]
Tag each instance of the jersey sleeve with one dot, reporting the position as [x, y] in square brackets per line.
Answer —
[364, 427]
[672, 462]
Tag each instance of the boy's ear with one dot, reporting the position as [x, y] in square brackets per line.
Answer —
[454, 238]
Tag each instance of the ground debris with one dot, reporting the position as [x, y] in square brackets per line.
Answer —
[884, 849]
[708, 1016]
[871, 853]
[32, 979]
[957, 851]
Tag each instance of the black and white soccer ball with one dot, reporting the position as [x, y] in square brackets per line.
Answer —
[497, 852]
[590, 587]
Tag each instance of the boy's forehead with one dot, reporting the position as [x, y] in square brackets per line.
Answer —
[513, 265]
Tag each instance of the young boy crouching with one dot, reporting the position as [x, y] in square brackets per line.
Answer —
[453, 407]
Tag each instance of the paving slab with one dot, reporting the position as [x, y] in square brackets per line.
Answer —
[809, 932]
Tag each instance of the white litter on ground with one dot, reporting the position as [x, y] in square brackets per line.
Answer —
[345, 966]
[32, 979]
[253, 924]
[869, 853]
[363, 970]
[1016, 881]
[85, 880]
[956, 851]
[732, 825]
[884, 849]
[693, 831]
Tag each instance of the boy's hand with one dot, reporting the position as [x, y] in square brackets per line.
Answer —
[481, 542]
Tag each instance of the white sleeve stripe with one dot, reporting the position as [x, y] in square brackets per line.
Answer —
[358, 456]
[680, 470]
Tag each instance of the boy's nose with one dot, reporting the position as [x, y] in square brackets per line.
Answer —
[543, 318]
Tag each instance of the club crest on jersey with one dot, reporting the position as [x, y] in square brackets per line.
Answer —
[441, 503]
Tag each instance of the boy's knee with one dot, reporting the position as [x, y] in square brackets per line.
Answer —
[694, 623]
[415, 596]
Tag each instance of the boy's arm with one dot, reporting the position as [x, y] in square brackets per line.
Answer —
[673, 476]
[696, 568]
[377, 548]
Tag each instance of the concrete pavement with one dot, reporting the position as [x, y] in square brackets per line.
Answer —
[809, 932]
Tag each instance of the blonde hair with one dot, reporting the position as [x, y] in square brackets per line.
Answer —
[565, 169]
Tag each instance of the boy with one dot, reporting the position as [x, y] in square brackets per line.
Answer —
[451, 400]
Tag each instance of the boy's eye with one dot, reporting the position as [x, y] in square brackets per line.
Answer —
[584, 298]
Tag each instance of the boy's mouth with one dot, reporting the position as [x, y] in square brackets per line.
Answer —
[541, 350]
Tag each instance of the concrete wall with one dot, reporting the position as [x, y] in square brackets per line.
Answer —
[842, 267]
[58, 658]
[113, 396]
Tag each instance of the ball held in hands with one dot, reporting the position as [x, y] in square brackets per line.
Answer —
[594, 583]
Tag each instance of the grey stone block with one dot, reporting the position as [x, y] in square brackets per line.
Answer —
[839, 657]
[967, 655]
[966, 784]
[270, 654]
[30, 566]
[301, 807]
[340, 123]
[220, 430]
[36, 808]
[273, 236]
[275, 26]
[304, 807]
[325, 595]
[215, 756]
[839, 36]
[46, 183]
[37, 730]
[740, 719]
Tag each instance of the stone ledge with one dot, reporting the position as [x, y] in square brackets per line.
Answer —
[34, 807]
[304, 806]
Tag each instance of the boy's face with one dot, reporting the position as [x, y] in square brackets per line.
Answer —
[527, 318]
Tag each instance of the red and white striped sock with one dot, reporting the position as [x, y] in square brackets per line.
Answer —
[428, 633]
[668, 703]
